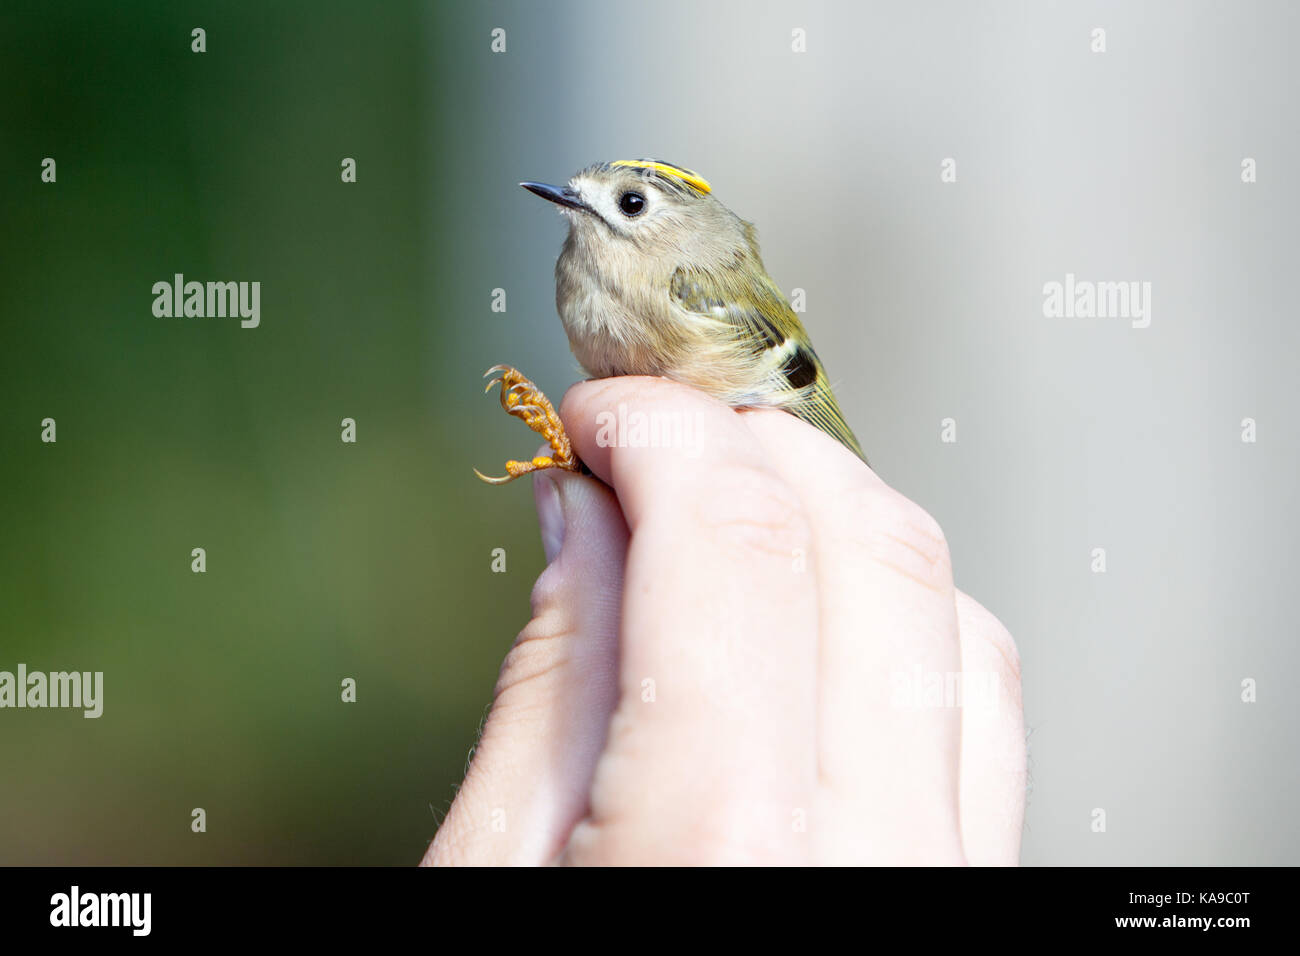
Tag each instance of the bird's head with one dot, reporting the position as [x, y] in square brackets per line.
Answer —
[644, 217]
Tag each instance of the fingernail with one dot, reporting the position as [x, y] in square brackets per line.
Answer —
[550, 516]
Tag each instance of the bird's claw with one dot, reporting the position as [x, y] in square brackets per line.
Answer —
[524, 400]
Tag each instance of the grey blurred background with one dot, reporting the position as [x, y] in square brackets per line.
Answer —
[924, 298]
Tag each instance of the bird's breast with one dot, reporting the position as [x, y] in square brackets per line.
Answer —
[612, 330]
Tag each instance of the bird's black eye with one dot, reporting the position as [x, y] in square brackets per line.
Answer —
[632, 204]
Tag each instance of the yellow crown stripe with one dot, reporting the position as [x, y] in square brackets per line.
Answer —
[685, 175]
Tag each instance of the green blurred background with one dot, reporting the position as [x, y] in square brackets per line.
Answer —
[325, 560]
[373, 561]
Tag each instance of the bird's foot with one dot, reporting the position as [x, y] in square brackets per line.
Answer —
[524, 400]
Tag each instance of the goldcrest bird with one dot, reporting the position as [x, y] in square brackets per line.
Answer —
[658, 277]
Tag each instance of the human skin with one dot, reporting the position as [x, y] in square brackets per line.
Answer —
[712, 670]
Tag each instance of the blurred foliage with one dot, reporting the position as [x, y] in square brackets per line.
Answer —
[325, 560]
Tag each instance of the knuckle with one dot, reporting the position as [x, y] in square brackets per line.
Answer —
[748, 509]
[534, 663]
[547, 592]
[906, 538]
[1005, 645]
[978, 623]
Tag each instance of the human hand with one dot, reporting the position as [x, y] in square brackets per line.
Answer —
[734, 662]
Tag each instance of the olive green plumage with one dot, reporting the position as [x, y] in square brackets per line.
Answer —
[657, 277]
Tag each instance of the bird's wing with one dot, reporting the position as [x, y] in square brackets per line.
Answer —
[768, 337]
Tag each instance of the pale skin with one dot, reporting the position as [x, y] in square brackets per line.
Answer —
[713, 667]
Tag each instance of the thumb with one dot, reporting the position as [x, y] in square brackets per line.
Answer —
[530, 776]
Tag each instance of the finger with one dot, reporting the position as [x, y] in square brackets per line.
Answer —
[993, 773]
[718, 652]
[531, 773]
[890, 738]
[631, 429]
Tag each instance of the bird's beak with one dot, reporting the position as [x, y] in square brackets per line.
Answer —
[561, 197]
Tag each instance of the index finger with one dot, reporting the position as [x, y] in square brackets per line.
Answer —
[719, 633]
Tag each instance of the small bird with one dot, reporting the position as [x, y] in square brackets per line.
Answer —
[658, 277]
